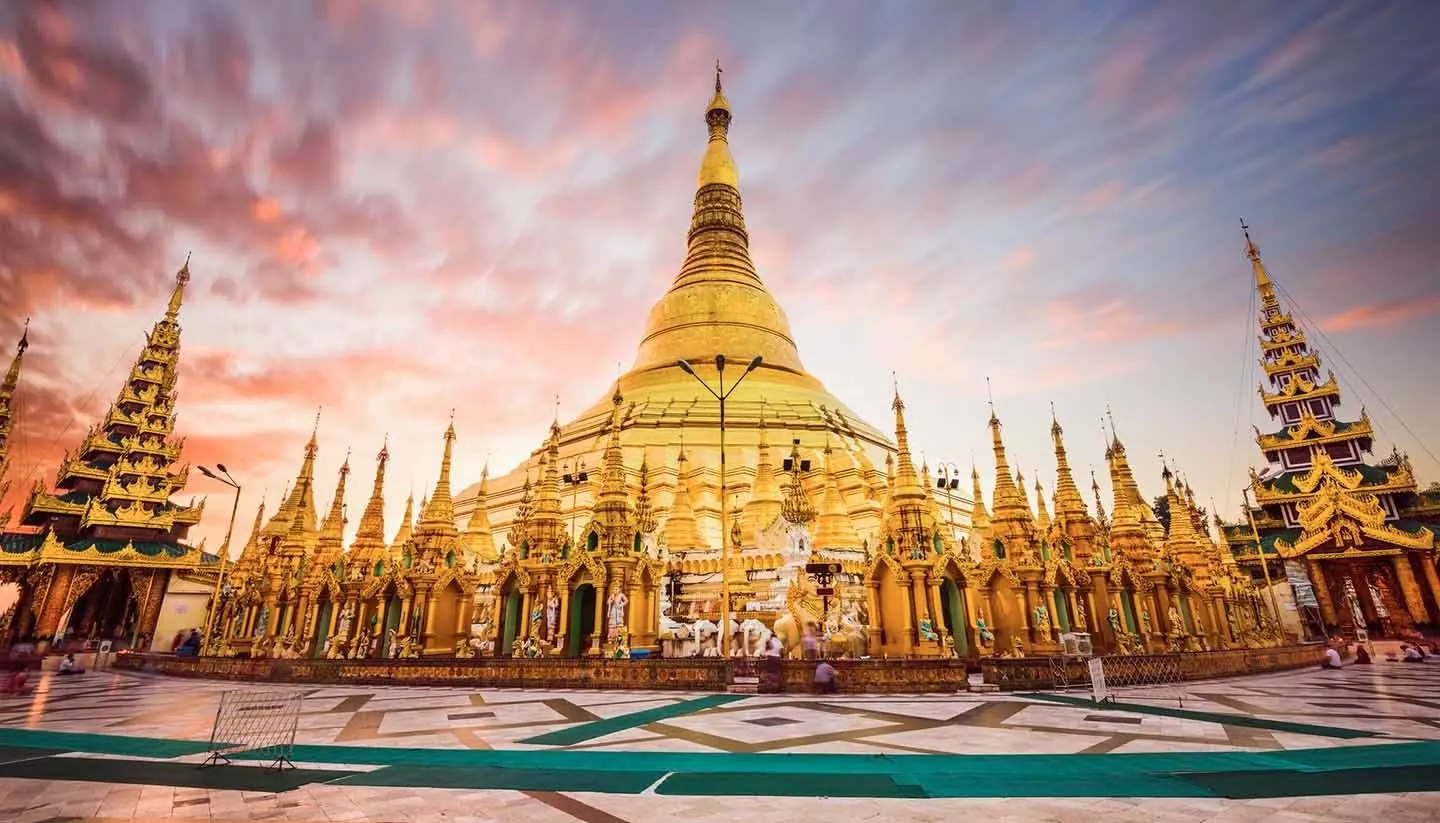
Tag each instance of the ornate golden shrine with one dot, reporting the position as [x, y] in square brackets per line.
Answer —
[93, 555]
[1362, 532]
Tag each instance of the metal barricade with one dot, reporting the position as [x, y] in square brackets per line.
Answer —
[1137, 677]
[256, 723]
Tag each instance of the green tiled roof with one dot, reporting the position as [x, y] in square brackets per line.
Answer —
[1241, 545]
[20, 543]
[145, 547]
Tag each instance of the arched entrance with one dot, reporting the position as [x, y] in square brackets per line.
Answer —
[509, 622]
[105, 611]
[582, 619]
[952, 609]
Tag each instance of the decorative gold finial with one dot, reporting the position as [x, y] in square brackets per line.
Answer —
[990, 398]
[557, 408]
[718, 70]
[24, 339]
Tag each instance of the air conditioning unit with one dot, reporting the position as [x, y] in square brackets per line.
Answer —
[1076, 644]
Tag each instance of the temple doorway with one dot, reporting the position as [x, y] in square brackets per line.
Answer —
[105, 611]
[509, 623]
[1366, 595]
[582, 619]
[952, 608]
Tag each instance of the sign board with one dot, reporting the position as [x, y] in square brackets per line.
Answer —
[1099, 691]
[822, 568]
[825, 591]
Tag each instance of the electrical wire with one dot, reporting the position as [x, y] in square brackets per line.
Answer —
[1330, 344]
[1247, 367]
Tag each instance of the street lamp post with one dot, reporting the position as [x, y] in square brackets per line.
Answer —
[574, 478]
[225, 553]
[721, 395]
[949, 481]
[1264, 564]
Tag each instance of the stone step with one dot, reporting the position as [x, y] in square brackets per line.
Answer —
[745, 680]
[744, 688]
[984, 688]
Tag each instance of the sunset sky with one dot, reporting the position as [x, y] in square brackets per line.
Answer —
[401, 208]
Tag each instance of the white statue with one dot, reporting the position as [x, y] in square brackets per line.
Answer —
[616, 610]
[552, 614]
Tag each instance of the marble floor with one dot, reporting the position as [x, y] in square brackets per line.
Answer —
[430, 754]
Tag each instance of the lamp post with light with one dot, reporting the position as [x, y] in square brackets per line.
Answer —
[225, 552]
[721, 395]
[574, 478]
[949, 481]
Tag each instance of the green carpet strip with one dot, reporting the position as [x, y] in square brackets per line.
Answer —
[599, 728]
[1397, 767]
[101, 743]
[1213, 717]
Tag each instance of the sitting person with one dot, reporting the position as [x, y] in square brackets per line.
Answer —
[1410, 654]
[16, 683]
[825, 678]
[1332, 659]
[70, 666]
[1362, 656]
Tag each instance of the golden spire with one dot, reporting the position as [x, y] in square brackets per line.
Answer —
[546, 524]
[765, 502]
[834, 529]
[718, 167]
[1006, 498]
[477, 538]
[1099, 503]
[681, 531]
[1042, 518]
[980, 546]
[1021, 492]
[250, 552]
[332, 530]
[1068, 502]
[907, 482]
[177, 295]
[294, 502]
[612, 474]
[370, 534]
[718, 297]
[438, 516]
[407, 526]
[1262, 279]
[978, 514]
[7, 395]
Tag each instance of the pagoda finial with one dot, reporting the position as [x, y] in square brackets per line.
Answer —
[177, 295]
[437, 516]
[718, 166]
[1262, 279]
[24, 339]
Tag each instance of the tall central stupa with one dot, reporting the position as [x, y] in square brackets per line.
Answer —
[671, 424]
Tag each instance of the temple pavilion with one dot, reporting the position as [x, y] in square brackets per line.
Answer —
[93, 553]
[1357, 534]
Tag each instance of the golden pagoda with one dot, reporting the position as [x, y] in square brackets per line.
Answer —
[552, 562]
[717, 305]
[1360, 530]
[94, 552]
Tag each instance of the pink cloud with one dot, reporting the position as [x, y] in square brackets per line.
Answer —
[1388, 313]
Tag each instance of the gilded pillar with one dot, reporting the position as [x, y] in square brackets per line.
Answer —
[872, 603]
[1410, 589]
[562, 628]
[968, 628]
[937, 612]
[51, 606]
[1432, 579]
